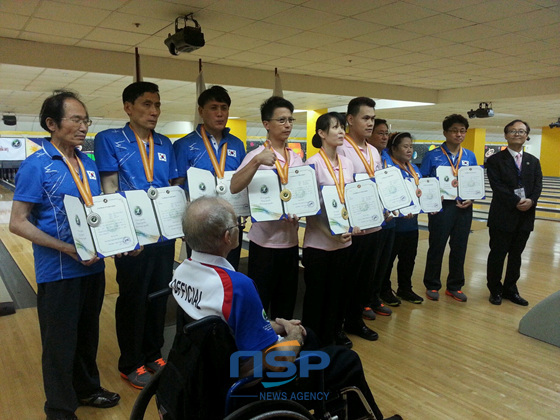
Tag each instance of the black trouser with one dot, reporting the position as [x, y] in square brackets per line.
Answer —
[405, 247]
[275, 273]
[384, 246]
[452, 223]
[69, 321]
[504, 243]
[140, 323]
[364, 254]
[325, 280]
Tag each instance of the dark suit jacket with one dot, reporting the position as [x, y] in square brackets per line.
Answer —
[504, 179]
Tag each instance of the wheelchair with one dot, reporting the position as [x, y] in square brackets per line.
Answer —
[195, 384]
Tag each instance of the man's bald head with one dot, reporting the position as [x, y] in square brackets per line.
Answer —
[205, 223]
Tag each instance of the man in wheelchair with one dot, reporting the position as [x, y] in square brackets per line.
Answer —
[207, 285]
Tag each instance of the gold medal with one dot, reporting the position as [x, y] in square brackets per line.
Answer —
[344, 213]
[285, 195]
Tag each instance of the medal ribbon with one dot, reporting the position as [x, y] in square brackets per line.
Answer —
[409, 170]
[454, 168]
[282, 170]
[148, 163]
[369, 166]
[340, 183]
[218, 169]
[82, 184]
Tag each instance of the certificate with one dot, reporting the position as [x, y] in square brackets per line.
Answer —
[264, 196]
[302, 184]
[430, 200]
[361, 177]
[269, 200]
[364, 207]
[169, 206]
[102, 230]
[392, 190]
[415, 207]
[143, 216]
[338, 223]
[471, 183]
[447, 182]
[203, 183]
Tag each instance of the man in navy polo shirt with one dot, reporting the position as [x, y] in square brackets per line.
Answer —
[121, 156]
[191, 150]
[453, 223]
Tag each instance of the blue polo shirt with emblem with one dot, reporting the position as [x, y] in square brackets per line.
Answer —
[116, 150]
[44, 179]
[190, 151]
[436, 157]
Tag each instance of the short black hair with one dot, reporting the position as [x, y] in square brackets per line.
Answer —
[516, 121]
[324, 123]
[396, 139]
[137, 89]
[214, 93]
[355, 104]
[454, 119]
[268, 106]
[53, 107]
[379, 121]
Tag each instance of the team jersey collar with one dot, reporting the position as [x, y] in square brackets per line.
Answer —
[53, 152]
[211, 259]
[129, 135]
[225, 133]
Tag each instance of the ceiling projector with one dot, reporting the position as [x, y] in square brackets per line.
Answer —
[482, 112]
[187, 39]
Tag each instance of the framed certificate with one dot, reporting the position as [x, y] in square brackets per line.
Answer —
[169, 206]
[108, 222]
[447, 182]
[471, 183]
[415, 207]
[269, 200]
[336, 216]
[392, 189]
[430, 200]
[143, 216]
[203, 183]
[362, 202]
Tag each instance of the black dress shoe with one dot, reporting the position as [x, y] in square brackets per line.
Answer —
[341, 339]
[364, 332]
[101, 399]
[518, 300]
[495, 299]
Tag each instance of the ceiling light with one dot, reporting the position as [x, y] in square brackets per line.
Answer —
[555, 124]
[484, 111]
[9, 119]
[187, 39]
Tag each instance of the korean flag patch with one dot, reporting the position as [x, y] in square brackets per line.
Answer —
[231, 153]
[91, 174]
[162, 157]
[465, 163]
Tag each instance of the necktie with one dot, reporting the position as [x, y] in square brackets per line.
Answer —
[518, 160]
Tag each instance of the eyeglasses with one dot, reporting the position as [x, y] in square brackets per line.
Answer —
[517, 132]
[78, 121]
[383, 134]
[457, 131]
[239, 226]
[283, 121]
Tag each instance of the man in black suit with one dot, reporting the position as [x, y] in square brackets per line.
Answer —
[516, 181]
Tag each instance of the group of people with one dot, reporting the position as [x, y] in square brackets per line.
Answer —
[347, 276]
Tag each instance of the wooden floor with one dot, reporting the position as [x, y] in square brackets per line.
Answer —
[438, 360]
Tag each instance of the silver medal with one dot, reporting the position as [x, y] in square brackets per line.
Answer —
[93, 219]
[152, 193]
[221, 188]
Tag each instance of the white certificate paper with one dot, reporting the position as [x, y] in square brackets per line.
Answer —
[239, 201]
[264, 196]
[392, 190]
[170, 206]
[143, 216]
[334, 208]
[115, 233]
[415, 207]
[79, 227]
[471, 183]
[302, 184]
[364, 207]
[430, 200]
[446, 178]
